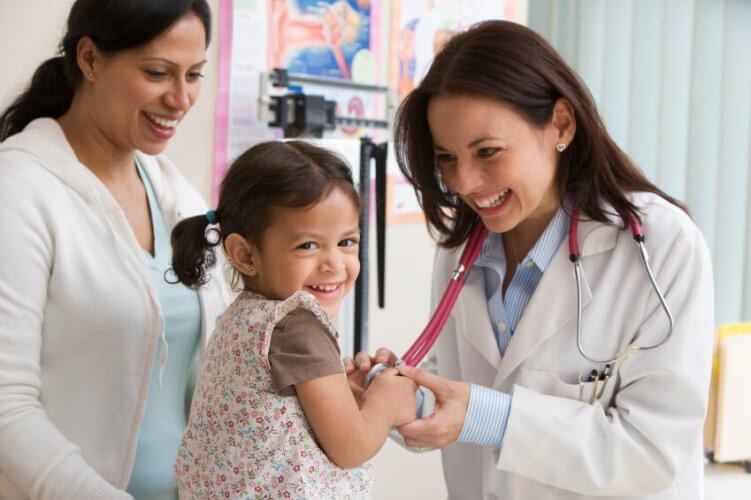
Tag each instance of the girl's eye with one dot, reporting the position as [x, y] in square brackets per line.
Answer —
[349, 242]
[308, 245]
[194, 75]
[487, 152]
[443, 159]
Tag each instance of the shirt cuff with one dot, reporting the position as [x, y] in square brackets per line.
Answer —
[487, 417]
[419, 400]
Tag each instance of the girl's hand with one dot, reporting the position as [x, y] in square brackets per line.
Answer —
[451, 402]
[399, 392]
[358, 368]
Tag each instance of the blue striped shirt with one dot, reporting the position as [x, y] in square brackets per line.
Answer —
[488, 411]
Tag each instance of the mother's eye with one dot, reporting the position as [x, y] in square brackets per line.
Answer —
[154, 73]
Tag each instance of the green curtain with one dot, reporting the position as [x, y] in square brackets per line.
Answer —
[672, 80]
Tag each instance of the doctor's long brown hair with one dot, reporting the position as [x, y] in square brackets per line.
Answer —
[511, 63]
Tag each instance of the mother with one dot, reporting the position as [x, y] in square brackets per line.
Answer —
[91, 404]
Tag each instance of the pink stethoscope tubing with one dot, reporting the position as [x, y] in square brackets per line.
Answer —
[430, 334]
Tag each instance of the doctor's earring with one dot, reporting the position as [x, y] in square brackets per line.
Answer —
[561, 147]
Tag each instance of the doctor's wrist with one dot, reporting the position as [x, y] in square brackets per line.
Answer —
[487, 417]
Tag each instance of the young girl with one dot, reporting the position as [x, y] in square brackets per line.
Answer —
[273, 415]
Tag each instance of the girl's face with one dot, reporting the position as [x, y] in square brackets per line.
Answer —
[501, 166]
[141, 95]
[312, 249]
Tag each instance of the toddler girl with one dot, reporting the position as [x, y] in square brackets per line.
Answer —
[273, 415]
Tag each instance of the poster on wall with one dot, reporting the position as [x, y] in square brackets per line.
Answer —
[322, 38]
[338, 39]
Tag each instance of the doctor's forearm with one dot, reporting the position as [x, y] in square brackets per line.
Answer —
[487, 417]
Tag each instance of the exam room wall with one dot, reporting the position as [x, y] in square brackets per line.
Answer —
[29, 32]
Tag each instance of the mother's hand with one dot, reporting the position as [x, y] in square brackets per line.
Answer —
[444, 426]
[358, 368]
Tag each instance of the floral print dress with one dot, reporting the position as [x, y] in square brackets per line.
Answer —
[243, 440]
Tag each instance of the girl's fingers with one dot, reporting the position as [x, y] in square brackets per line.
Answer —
[384, 355]
[363, 361]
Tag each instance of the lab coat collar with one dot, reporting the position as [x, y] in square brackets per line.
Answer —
[552, 306]
[554, 303]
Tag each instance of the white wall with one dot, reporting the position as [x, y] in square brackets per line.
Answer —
[29, 33]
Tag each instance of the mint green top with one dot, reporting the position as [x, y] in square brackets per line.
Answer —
[153, 477]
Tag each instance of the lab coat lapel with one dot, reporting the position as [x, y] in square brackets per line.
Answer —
[474, 319]
[554, 303]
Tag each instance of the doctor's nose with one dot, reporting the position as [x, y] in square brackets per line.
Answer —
[464, 179]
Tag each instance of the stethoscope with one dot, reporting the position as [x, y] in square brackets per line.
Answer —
[479, 232]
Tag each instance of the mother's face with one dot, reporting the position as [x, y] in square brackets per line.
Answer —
[139, 96]
[501, 166]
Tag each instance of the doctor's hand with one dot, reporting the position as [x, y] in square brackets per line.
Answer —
[451, 402]
[358, 368]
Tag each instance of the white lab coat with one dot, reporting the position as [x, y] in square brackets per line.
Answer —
[643, 439]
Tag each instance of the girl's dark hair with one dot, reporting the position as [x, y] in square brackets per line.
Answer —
[113, 26]
[511, 63]
[292, 174]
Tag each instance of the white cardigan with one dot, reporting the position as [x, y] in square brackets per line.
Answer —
[79, 319]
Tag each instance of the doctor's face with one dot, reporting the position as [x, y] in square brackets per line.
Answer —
[141, 95]
[499, 164]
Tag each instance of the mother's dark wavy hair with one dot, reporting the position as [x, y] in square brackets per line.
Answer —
[512, 64]
[113, 25]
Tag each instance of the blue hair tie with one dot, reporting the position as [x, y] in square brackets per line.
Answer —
[211, 217]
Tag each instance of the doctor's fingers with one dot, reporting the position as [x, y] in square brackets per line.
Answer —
[442, 388]
[436, 431]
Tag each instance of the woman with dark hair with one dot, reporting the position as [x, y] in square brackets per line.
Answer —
[550, 383]
[92, 405]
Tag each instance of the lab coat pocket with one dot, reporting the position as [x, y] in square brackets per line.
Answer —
[551, 384]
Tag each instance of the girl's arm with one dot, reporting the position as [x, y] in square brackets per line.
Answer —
[350, 435]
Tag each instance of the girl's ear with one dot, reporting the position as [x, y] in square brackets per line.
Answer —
[240, 253]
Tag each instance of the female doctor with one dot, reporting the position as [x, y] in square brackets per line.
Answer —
[502, 132]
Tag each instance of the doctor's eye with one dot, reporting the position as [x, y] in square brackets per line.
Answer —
[488, 152]
[442, 159]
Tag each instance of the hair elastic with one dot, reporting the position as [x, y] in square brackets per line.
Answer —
[211, 217]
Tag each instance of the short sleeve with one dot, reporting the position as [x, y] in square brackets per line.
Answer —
[301, 349]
